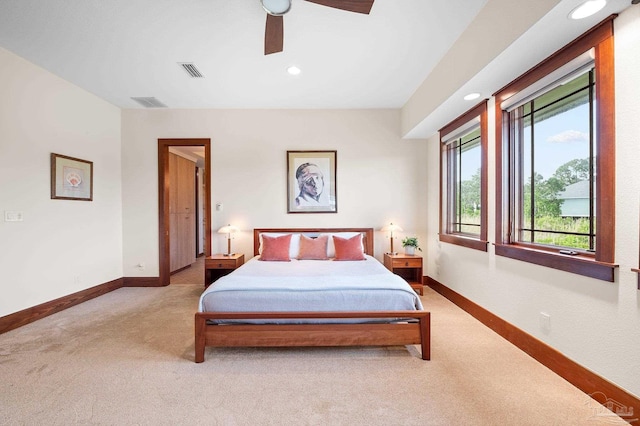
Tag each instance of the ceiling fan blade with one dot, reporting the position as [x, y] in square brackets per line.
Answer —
[359, 6]
[273, 34]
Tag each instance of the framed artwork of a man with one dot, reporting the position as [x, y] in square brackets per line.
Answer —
[311, 182]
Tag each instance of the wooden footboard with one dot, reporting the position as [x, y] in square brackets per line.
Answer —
[416, 331]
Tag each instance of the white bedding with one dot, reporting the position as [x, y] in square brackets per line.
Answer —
[310, 285]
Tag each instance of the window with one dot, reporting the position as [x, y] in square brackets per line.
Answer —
[555, 150]
[463, 158]
[463, 165]
[554, 195]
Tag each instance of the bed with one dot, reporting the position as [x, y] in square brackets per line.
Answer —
[311, 302]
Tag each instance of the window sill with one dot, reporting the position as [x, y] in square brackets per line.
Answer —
[469, 242]
[580, 264]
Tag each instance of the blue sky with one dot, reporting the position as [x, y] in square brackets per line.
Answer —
[560, 139]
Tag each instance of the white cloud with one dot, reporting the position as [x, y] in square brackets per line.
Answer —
[569, 136]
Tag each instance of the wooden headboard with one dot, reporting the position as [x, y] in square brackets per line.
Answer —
[367, 235]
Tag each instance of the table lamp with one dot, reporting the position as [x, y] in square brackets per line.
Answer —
[391, 228]
[229, 229]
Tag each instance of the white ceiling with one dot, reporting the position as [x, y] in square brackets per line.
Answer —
[118, 49]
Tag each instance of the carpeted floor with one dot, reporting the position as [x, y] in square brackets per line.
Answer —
[126, 358]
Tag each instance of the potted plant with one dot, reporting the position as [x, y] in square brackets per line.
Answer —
[410, 245]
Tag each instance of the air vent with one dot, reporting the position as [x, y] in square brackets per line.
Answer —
[191, 69]
[150, 102]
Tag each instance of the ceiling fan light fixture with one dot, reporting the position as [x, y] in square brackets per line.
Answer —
[276, 7]
[588, 8]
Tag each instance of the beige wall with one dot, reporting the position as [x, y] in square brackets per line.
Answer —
[380, 178]
[595, 323]
[61, 246]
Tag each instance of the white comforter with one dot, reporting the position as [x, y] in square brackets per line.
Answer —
[310, 285]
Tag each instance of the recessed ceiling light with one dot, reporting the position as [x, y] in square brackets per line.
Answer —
[293, 70]
[587, 8]
[472, 96]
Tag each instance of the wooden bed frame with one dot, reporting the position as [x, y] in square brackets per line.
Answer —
[330, 334]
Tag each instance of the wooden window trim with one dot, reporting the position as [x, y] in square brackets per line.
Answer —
[480, 242]
[601, 266]
[637, 271]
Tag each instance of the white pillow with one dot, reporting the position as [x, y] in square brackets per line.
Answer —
[331, 247]
[294, 247]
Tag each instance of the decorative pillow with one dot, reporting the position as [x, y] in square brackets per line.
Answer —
[331, 248]
[276, 248]
[349, 248]
[313, 248]
[294, 247]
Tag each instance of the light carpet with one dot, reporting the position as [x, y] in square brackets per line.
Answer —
[126, 358]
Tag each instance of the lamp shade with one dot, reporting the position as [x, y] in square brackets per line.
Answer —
[228, 229]
[391, 228]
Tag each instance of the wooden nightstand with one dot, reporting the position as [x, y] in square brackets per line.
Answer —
[219, 265]
[408, 267]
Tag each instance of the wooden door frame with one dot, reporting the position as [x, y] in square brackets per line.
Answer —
[163, 201]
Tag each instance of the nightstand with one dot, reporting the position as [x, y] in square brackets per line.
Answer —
[220, 265]
[408, 267]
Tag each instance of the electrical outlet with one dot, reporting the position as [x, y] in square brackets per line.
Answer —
[76, 279]
[140, 266]
[545, 321]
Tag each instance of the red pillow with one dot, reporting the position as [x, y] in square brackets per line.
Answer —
[276, 248]
[313, 248]
[349, 248]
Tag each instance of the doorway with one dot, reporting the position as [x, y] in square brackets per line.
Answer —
[164, 226]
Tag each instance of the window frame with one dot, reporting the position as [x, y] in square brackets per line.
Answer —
[525, 120]
[479, 242]
[601, 264]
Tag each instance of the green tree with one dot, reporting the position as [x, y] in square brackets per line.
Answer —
[545, 198]
[572, 171]
[470, 195]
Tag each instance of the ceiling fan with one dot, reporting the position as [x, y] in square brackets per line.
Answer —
[276, 9]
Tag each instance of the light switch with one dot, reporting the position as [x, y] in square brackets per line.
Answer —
[13, 216]
[219, 207]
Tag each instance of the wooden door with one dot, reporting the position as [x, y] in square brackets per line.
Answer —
[173, 183]
[182, 204]
[186, 174]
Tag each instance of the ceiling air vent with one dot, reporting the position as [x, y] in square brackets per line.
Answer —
[191, 69]
[149, 102]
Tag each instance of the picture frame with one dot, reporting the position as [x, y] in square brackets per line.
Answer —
[71, 178]
[311, 182]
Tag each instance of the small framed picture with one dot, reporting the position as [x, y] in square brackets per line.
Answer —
[311, 182]
[71, 178]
